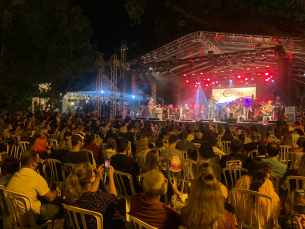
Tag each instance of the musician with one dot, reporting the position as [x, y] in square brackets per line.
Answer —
[202, 112]
[151, 106]
[171, 109]
[185, 109]
[268, 108]
[164, 110]
[212, 106]
[178, 112]
[239, 110]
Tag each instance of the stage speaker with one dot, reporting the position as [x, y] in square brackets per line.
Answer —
[272, 121]
[154, 119]
[250, 120]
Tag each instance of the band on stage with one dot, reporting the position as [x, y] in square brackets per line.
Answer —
[213, 109]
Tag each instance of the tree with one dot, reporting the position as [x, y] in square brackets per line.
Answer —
[42, 41]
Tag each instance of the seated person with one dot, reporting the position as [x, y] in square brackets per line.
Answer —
[273, 149]
[82, 191]
[148, 208]
[206, 195]
[159, 144]
[206, 154]
[76, 156]
[190, 136]
[90, 144]
[183, 144]
[198, 138]
[236, 146]
[212, 140]
[227, 136]
[258, 181]
[172, 148]
[123, 163]
[231, 120]
[262, 150]
[27, 181]
[252, 145]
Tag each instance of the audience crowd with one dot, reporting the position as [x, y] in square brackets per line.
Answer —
[180, 173]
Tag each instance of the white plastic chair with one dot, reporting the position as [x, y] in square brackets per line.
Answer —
[22, 146]
[7, 220]
[136, 223]
[141, 161]
[226, 146]
[231, 175]
[292, 156]
[54, 142]
[283, 155]
[71, 217]
[121, 189]
[298, 180]
[53, 165]
[294, 140]
[184, 154]
[255, 152]
[189, 169]
[252, 208]
[15, 151]
[157, 132]
[14, 200]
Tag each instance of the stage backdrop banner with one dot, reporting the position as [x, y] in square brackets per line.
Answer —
[224, 95]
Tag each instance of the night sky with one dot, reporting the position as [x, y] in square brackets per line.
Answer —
[111, 23]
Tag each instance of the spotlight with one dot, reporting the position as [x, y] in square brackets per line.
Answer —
[102, 91]
[246, 79]
[216, 81]
[252, 79]
[193, 74]
[208, 79]
[266, 80]
[257, 67]
[196, 85]
[239, 76]
[187, 81]
[201, 73]
[248, 69]
[266, 74]
[272, 81]
[267, 66]
[184, 74]
[231, 70]
[222, 71]
[133, 96]
[243, 61]
[206, 84]
[215, 72]
[271, 77]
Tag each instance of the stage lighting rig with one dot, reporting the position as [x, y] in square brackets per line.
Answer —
[252, 59]
[210, 54]
[258, 48]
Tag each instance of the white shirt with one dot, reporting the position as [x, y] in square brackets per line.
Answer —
[28, 182]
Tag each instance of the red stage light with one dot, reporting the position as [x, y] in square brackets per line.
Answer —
[193, 74]
[257, 67]
[267, 66]
[201, 73]
[187, 81]
[246, 79]
[239, 76]
[248, 69]
[266, 80]
[271, 77]
[222, 71]
[231, 70]
[184, 74]
[216, 81]
[196, 85]
[208, 79]
[266, 74]
[215, 72]
[206, 85]
[204, 79]
[258, 74]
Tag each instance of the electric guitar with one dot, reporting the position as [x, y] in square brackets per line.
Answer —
[152, 107]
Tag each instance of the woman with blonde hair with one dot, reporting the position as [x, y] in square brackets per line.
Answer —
[205, 206]
[142, 146]
[207, 168]
[287, 140]
[82, 192]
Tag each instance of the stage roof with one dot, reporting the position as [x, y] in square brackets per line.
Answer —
[198, 44]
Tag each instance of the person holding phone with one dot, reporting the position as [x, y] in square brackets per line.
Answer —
[82, 191]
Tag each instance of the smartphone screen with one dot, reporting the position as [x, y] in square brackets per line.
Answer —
[107, 164]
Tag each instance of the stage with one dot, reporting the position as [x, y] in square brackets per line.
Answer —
[260, 125]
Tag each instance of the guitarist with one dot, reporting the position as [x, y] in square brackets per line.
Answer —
[151, 106]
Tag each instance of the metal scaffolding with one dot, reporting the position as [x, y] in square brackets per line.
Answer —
[114, 63]
[100, 64]
[123, 78]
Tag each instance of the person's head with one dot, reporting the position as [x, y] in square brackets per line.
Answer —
[236, 146]
[153, 184]
[171, 128]
[67, 135]
[40, 145]
[242, 138]
[254, 128]
[88, 139]
[273, 149]
[262, 150]
[10, 166]
[183, 135]
[211, 139]
[81, 176]
[205, 196]
[142, 143]
[300, 132]
[151, 161]
[270, 128]
[159, 143]
[30, 159]
[77, 141]
[205, 168]
[301, 167]
[300, 142]
[231, 115]
[198, 135]
[8, 126]
[248, 131]
[122, 145]
[206, 150]
[258, 172]
[172, 139]
[227, 131]
[287, 140]
[254, 136]
[110, 144]
[130, 128]
[285, 130]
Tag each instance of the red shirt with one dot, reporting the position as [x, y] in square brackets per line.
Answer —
[97, 151]
[155, 214]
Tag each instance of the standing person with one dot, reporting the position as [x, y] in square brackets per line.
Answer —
[151, 106]
[211, 102]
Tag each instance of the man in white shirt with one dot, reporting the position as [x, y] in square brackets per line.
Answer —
[28, 182]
